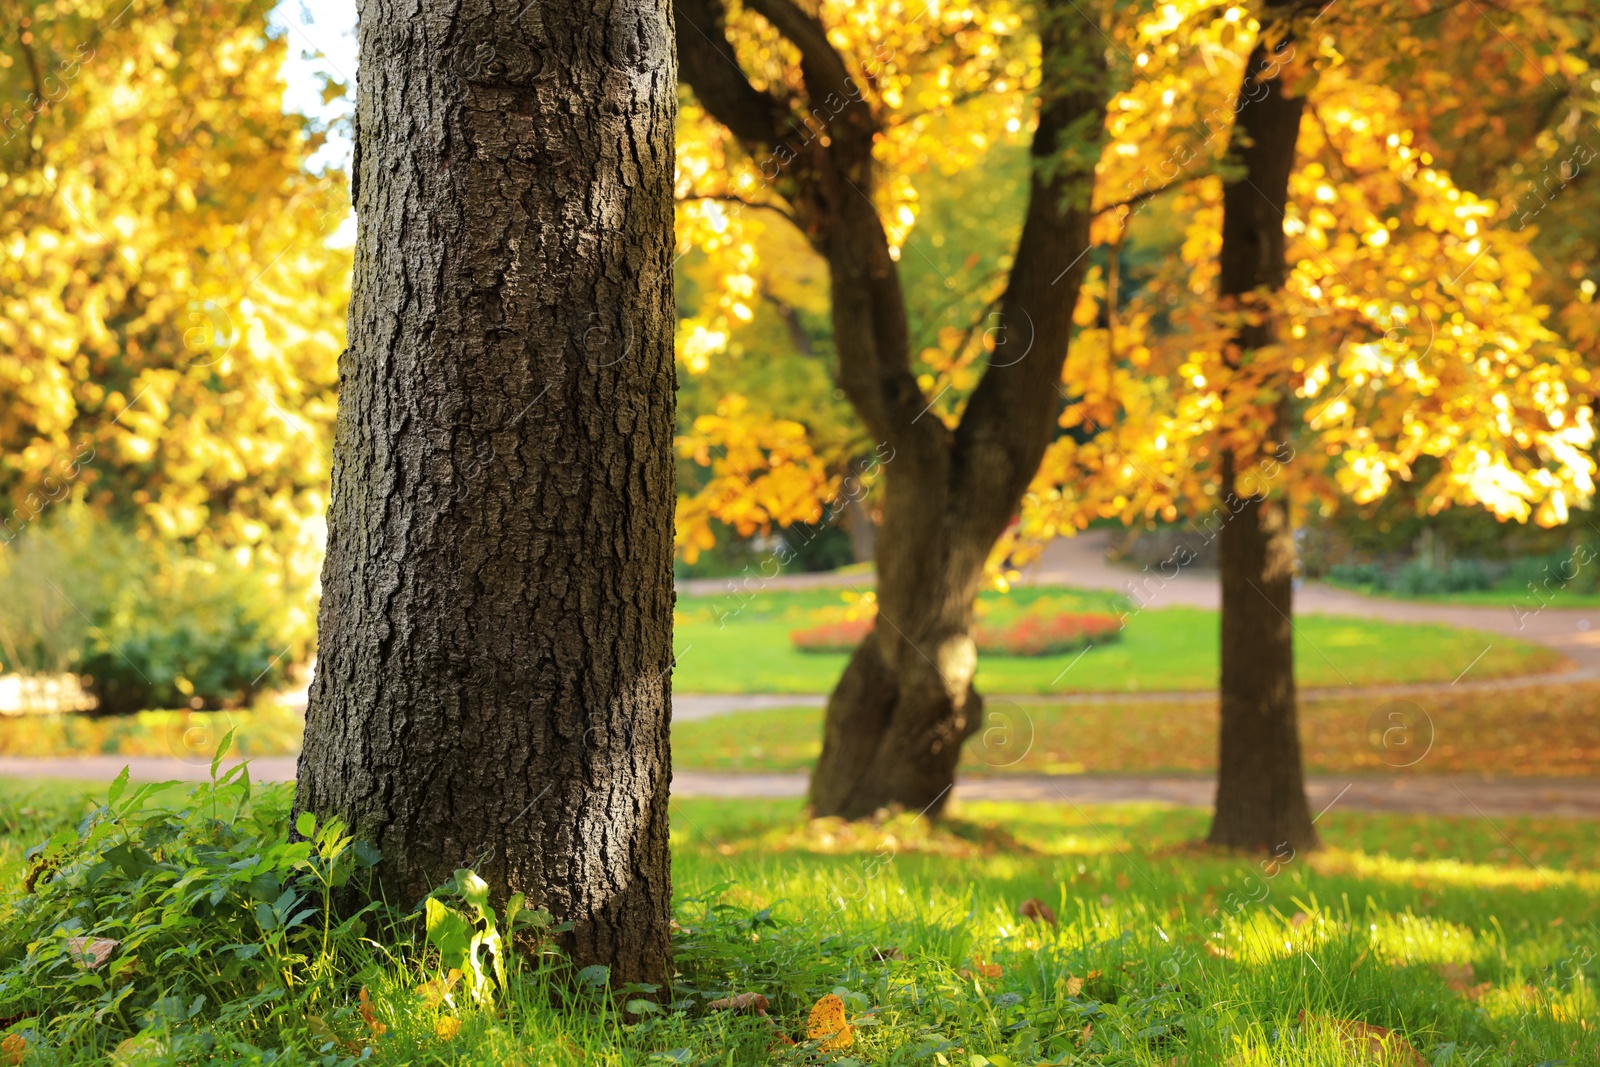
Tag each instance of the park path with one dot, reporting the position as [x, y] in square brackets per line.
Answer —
[1081, 562]
[1421, 794]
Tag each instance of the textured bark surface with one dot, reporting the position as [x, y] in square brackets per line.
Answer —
[1261, 799]
[897, 719]
[495, 636]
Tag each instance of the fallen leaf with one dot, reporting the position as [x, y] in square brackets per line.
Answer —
[753, 1003]
[1376, 1041]
[12, 1046]
[447, 1027]
[1037, 910]
[319, 1029]
[364, 1004]
[436, 991]
[827, 1023]
[91, 952]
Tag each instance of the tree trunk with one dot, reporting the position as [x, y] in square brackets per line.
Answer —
[862, 527]
[1261, 801]
[897, 719]
[492, 685]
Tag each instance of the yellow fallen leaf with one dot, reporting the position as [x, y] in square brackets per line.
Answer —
[828, 1021]
[447, 1027]
[436, 991]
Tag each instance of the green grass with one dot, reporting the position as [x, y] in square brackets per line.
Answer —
[1502, 596]
[1549, 731]
[731, 644]
[1164, 953]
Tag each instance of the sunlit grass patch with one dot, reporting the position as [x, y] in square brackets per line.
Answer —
[1008, 934]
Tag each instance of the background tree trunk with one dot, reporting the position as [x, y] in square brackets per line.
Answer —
[492, 685]
[897, 719]
[1261, 800]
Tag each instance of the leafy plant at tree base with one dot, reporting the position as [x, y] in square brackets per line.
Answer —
[187, 932]
[471, 944]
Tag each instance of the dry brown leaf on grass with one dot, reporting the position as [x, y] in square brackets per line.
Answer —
[1459, 977]
[1037, 910]
[1378, 1043]
[91, 952]
[828, 1024]
[751, 1003]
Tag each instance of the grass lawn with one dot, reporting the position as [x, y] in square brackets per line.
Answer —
[731, 645]
[1164, 954]
[1551, 731]
[1502, 596]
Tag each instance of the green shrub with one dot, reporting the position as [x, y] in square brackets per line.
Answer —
[1418, 578]
[150, 625]
[194, 932]
[1360, 575]
[1415, 578]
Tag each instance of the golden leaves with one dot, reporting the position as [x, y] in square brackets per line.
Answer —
[827, 1024]
[763, 473]
[171, 304]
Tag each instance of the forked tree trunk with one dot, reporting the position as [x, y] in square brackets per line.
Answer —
[1261, 800]
[495, 635]
[896, 722]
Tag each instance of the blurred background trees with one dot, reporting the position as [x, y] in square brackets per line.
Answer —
[171, 312]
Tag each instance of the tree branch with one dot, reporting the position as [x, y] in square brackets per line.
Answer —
[1007, 424]
[1150, 193]
[820, 63]
[706, 61]
[729, 198]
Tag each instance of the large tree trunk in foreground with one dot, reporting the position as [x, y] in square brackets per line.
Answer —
[1261, 799]
[495, 636]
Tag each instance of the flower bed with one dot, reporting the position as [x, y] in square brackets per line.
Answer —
[1031, 635]
[1048, 635]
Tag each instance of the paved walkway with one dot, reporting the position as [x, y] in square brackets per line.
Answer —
[1413, 793]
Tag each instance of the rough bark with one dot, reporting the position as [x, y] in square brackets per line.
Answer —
[495, 632]
[896, 720]
[1261, 800]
